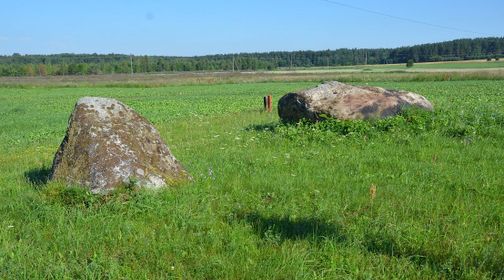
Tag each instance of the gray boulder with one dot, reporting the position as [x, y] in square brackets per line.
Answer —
[107, 144]
[347, 102]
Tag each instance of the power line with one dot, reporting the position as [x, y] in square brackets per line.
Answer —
[402, 18]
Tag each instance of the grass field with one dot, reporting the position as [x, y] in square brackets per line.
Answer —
[446, 66]
[433, 71]
[269, 201]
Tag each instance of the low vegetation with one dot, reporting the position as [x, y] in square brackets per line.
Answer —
[419, 195]
[377, 73]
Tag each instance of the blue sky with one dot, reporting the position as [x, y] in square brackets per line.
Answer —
[194, 27]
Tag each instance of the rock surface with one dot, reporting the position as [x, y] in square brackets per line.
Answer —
[107, 144]
[342, 101]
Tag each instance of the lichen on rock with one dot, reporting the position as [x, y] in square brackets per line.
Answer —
[108, 144]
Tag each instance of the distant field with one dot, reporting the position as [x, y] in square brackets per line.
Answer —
[469, 65]
[368, 73]
[269, 201]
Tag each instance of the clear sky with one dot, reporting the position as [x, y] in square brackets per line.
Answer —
[197, 27]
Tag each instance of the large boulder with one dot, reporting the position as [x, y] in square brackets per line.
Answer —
[107, 144]
[342, 101]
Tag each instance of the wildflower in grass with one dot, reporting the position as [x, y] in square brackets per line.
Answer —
[372, 191]
[211, 174]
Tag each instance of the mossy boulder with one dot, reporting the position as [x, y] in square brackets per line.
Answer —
[108, 144]
[347, 102]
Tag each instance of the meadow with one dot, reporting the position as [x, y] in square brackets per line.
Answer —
[416, 196]
[442, 66]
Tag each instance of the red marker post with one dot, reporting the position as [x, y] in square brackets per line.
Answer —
[270, 103]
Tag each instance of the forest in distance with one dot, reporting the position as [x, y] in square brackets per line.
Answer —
[95, 64]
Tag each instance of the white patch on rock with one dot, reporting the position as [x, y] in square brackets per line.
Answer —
[155, 182]
[105, 107]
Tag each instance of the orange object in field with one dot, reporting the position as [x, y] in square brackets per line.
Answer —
[268, 103]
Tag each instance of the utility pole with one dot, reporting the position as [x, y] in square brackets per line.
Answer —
[233, 63]
[131, 64]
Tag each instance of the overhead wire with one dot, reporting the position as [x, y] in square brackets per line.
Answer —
[403, 18]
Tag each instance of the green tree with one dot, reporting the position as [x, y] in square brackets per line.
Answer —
[28, 70]
[42, 70]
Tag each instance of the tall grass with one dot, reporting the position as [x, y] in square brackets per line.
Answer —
[415, 196]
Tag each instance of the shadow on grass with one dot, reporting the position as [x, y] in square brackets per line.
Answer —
[283, 228]
[446, 262]
[263, 127]
[38, 176]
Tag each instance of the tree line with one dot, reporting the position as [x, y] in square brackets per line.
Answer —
[86, 64]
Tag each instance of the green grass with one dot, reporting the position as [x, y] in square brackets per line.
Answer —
[447, 71]
[268, 200]
[461, 65]
[425, 66]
